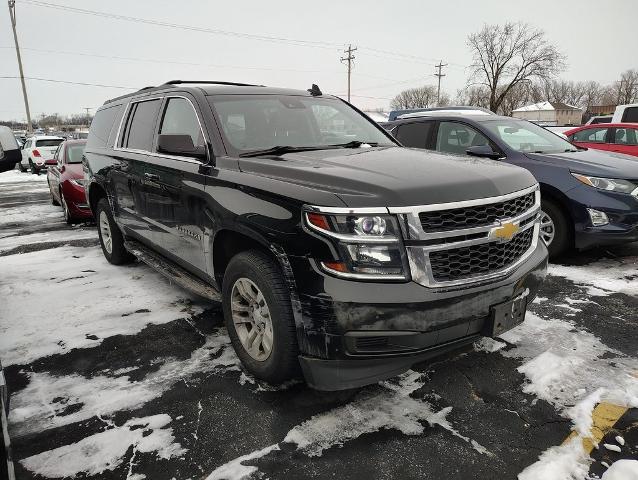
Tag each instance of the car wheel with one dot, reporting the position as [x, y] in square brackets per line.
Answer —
[21, 168]
[111, 238]
[555, 229]
[68, 218]
[258, 316]
[34, 170]
[53, 200]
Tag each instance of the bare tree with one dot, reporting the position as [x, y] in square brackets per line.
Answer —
[506, 55]
[421, 97]
[626, 89]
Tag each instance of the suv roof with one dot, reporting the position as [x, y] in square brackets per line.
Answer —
[214, 87]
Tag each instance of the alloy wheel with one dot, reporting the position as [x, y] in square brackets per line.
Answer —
[105, 232]
[548, 230]
[251, 318]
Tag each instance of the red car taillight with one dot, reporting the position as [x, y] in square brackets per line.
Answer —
[36, 153]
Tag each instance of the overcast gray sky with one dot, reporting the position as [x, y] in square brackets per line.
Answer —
[599, 39]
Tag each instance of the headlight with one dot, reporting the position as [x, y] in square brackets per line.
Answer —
[79, 182]
[609, 184]
[369, 246]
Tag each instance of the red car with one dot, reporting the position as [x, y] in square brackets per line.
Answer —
[66, 181]
[613, 137]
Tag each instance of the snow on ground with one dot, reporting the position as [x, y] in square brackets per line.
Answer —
[28, 212]
[14, 176]
[106, 450]
[573, 370]
[622, 470]
[603, 277]
[10, 242]
[388, 406]
[74, 298]
[46, 400]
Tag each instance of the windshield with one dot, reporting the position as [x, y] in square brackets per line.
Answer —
[527, 137]
[51, 142]
[74, 153]
[260, 122]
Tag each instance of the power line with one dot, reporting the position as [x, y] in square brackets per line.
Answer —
[349, 59]
[86, 84]
[439, 75]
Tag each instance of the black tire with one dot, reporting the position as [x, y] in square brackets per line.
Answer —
[282, 363]
[34, 170]
[68, 218]
[118, 254]
[53, 200]
[21, 168]
[563, 236]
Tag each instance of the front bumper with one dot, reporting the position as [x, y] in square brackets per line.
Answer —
[75, 198]
[621, 209]
[356, 333]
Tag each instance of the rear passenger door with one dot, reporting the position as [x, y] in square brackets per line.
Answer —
[415, 135]
[624, 140]
[132, 155]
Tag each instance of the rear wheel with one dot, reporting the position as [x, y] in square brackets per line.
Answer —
[555, 229]
[21, 168]
[111, 238]
[34, 170]
[259, 318]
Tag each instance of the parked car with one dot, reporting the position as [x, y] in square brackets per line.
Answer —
[626, 114]
[9, 150]
[66, 181]
[6, 464]
[599, 119]
[589, 198]
[37, 153]
[333, 250]
[613, 137]
[460, 110]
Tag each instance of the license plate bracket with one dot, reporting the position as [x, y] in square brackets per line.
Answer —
[505, 316]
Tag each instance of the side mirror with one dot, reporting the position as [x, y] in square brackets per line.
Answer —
[483, 151]
[181, 145]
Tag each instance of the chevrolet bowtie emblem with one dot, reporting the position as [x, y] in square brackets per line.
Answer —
[505, 232]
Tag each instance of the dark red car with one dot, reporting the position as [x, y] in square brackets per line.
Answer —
[66, 181]
[612, 137]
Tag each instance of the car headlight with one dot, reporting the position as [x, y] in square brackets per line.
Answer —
[79, 182]
[609, 184]
[369, 246]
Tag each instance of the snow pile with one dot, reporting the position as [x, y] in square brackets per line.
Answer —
[106, 450]
[46, 400]
[603, 277]
[29, 213]
[573, 370]
[80, 300]
[14, 176]
[622, 470]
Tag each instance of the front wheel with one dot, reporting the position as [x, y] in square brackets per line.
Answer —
[258, 316]
[555, 229]
[68, 217]
[111, 238]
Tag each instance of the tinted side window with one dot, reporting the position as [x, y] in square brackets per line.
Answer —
[101, 127]
[414, 134]
[139, 134]
[456, 138]
[625, 136]
[630, 115]
[591, 135]
[181, 119]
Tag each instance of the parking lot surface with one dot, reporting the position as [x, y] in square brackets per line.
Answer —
[115, 373]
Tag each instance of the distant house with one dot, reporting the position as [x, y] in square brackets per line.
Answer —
[550, 113]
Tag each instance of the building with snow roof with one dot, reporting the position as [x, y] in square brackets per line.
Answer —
[550, 113]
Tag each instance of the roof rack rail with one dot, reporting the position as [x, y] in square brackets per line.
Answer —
[216, 82]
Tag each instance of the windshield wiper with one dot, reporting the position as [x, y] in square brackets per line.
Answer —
[354, 144]
[280, 150]
[571, 150]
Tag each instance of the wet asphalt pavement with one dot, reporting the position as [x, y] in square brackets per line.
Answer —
[221, 414]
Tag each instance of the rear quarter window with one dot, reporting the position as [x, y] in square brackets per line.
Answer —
[102, 125]
[630, 115]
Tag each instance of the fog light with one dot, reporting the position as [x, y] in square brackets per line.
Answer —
[598, 218]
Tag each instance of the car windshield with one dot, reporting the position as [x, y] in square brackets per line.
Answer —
[49, 142]
[261, 122]
[527, 137]
[74, 153]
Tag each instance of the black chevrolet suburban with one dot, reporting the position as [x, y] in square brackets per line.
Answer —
[335, 252]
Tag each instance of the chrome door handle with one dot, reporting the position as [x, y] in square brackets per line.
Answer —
[151, 176]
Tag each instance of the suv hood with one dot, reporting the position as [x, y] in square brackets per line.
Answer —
[392, 176]
[593, 162]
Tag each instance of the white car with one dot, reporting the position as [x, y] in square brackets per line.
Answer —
[37, 150]
[626, 113]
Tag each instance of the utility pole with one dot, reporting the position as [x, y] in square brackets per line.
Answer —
[349, 58]
[87, 114]
[12, 14]
[439, 67]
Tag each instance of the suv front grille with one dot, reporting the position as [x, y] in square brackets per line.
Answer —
[474, 260]
[476, 216]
